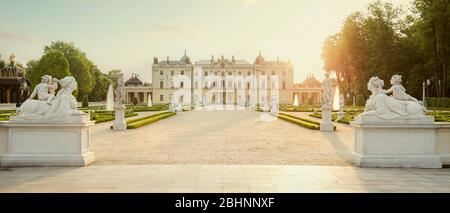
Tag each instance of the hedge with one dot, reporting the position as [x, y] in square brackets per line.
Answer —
[303, 119]
[438, 102]
[102, 119]
[300, 122]
[150, 120]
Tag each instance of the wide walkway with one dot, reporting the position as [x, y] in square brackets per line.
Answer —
[221, 137]
[222, 178]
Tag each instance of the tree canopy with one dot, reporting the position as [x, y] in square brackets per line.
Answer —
[385, 40]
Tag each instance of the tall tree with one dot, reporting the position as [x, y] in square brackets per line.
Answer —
[2, 63]
[52, 63]
[80, 67]
[433, 31]
[101, 86]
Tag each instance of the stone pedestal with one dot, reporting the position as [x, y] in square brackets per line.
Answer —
[48, 143]
[119, 123]
[395, 143]
[326, 125]
[340, 115]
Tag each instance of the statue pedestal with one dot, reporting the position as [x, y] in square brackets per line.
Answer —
[340, 115]
[395, 143]
[119, 120]
[63, 142]
[326, 125]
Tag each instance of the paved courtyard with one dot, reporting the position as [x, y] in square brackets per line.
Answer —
[221, 137]
[222, 178]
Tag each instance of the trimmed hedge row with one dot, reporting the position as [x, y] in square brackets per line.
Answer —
[303, 119]
[143, 122]
[438, 102]
[299, 122]
[102, 119]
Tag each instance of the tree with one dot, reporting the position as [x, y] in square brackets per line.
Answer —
[433, 36]
[2, 63]
[101, 86]
[52, 63]
[80, 67]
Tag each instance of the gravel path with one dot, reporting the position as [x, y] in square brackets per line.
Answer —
[221, 137]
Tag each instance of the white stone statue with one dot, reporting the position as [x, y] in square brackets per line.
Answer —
[327, 93]
[398, 91]
[46, 89]
[120, 92]
[388, 107]
[61, 106]
[119, 123]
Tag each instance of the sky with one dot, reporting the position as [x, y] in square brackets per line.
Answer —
[127, 34]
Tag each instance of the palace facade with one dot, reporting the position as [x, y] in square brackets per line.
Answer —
[222, 81]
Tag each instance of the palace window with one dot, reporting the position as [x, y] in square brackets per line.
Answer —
[172, 72]
[182, 72]
[161, 84]
[181, 84]
[263, 72]
[161, 72]
[161, 97]
[206, 73]
[273, 72]
[239, 73]
[249, 73]
[284, 84]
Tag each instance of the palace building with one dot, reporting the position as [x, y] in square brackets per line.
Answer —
[14, 87]
[222, 81]
[309, 92]
[135, 88]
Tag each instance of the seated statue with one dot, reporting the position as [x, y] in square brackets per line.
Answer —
[63, 105]
[398, 91]
[387, 107]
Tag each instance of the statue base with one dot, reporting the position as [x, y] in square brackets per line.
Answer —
[395, 143]
[119, 123]
[47, 143]
[326, 125]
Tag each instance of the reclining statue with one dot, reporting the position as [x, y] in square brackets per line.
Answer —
[62, 105]
[399, 106]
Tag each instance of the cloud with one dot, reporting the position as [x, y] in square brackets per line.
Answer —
[17, 37]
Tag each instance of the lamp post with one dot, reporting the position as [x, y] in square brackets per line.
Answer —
[424, 85]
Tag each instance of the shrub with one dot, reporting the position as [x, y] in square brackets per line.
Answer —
[135, 101]
[150, 120]
[438, 102]
[101, 119]
[360, 100]
[85, 102]
[303, 119]
[300, 122]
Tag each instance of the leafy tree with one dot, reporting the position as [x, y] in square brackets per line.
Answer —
[52, 63]
[80, 67]
[102, 82]
[2, 63]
